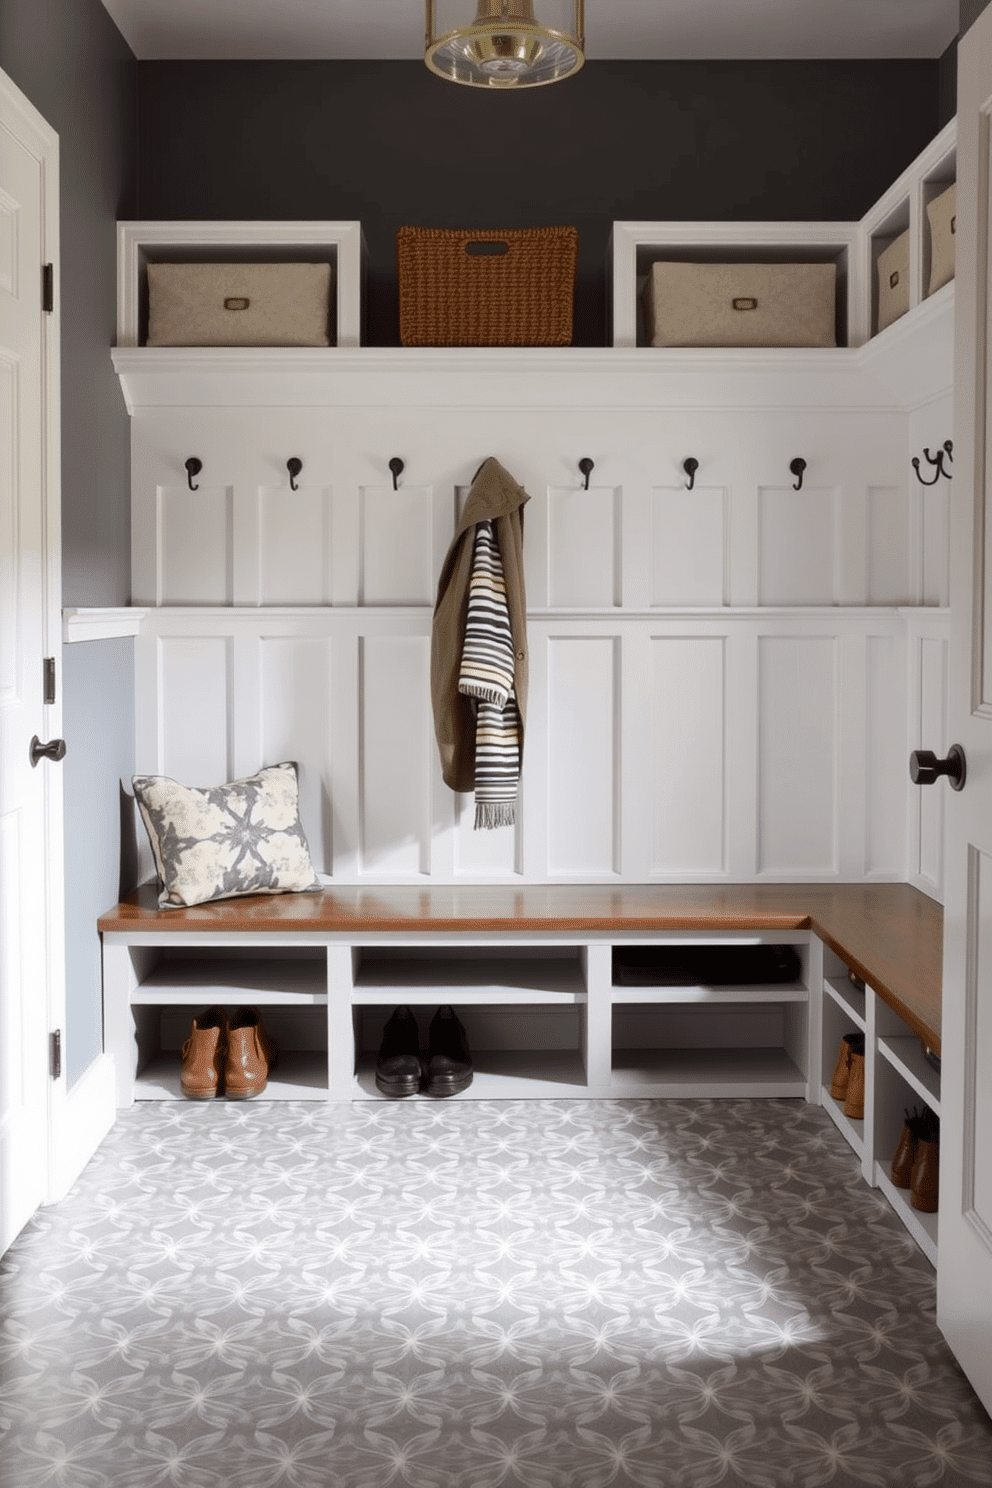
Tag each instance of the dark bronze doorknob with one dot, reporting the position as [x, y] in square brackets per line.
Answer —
[53, 750]
[925, 767]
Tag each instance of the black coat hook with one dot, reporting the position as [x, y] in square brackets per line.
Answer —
[798, 468]
[396, 466]
[690, 466]
[937, 462]
[586, 466]
[916, 466]
[294, 465]
[193, 467]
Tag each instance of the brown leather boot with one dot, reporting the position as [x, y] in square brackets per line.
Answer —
[925, 1180]
[842, 1069]
[905, 1154]
[854, 1100]
[250, 1055]
[204, 1053]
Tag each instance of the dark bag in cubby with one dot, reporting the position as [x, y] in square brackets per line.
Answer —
[705, 965]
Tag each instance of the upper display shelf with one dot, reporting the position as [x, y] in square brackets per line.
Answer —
[338, 245]
[897, 256]
[830, 283]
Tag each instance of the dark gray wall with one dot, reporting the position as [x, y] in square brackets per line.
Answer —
[389, 143]
[70, 60]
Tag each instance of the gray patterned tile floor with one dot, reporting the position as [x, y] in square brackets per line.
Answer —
[546, 1294]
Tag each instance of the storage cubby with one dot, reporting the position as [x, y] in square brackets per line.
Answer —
[634, 246]
[903, 208]
[169, 988]
[855, 248]
[843, 1012]
[340, 244]
[942, 175]
[544, 1017]
[898, 1076]
[522, 1007]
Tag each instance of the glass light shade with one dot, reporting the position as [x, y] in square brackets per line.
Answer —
[508, 44]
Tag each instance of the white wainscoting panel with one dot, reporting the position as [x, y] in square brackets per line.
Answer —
[294, 546]
[935, 546]
[397, 747]
[888, 547]
[677, 746]
[195, 710]
[797, 755]
[294, 701]
[581, 768]
[195, 545]
[884, 742]
[685, 791]
[486, 854]
[584, 546]
[798, 538]
[399, 535]
[930, 427]
[689, 546]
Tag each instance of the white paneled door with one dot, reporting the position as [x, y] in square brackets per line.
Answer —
[964, 1291]
[30, 795]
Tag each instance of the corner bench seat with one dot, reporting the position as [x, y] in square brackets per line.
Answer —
[890, 934]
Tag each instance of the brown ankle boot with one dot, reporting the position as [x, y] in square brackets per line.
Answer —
[854, 1100]
[925, 1180]
[204, 1052]
[250, 1055]
[905, 1153]
[842, 1069]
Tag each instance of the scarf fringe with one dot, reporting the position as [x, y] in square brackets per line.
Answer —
[490, 814]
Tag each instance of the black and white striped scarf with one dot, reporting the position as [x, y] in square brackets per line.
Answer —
[486, 674]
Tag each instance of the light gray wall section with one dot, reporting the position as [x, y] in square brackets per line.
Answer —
[71, 61]
[968, 13]
[98, 696]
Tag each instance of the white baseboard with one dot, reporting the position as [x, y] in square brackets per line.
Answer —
[80, 1124]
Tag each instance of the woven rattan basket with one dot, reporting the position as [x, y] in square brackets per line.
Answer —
[479, 288]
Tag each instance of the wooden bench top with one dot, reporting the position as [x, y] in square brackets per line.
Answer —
[890, 934]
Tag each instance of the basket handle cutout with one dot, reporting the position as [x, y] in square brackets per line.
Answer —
[484, 248]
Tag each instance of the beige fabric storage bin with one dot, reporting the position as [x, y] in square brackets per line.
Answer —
[748, 304]
[942, 216]
[893, 281]
[239, 304]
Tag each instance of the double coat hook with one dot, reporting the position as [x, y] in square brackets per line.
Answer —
[690, 466]
[798, 468]
[193, 467]
[936, 462]
[294, 465]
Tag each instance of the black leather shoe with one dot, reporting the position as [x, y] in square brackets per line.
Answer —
[399, 1070]
[449, 1063]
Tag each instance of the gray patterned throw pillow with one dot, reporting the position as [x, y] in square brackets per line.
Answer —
[242, 838]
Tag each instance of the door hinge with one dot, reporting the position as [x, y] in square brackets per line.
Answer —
[49, 665]
[48, 288]
[56, 1054]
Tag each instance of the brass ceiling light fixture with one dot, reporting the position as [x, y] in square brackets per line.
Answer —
[509, 44]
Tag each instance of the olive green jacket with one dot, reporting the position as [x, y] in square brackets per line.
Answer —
[494, 494]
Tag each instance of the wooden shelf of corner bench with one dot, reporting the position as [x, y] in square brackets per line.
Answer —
[890, 934]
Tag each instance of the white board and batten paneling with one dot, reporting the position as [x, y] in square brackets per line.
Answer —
[697, 747]
[725, 679]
